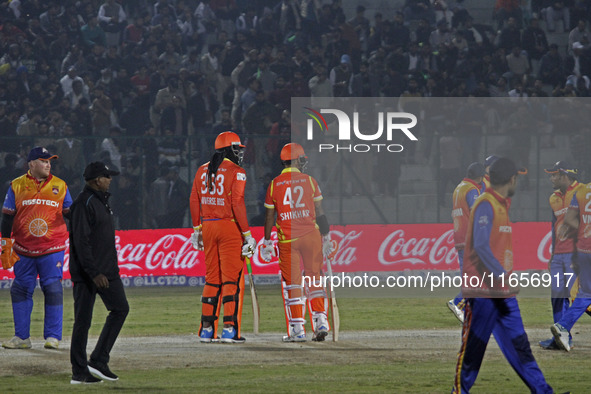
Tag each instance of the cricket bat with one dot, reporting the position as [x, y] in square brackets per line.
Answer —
[255, 300]
[335, 321]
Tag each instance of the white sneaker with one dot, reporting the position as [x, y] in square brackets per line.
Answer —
[321, 327]
[297, 333]
[17, 343]
[456, 311]
[51, 343]
[561, 336]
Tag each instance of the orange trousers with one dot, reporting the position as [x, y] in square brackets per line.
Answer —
[224, 278]
[306, 251]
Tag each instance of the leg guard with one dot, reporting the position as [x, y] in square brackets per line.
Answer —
[54, 309]
[210, 305]
[318, 304]
[319, 316]
[232, 299]
[294, 304]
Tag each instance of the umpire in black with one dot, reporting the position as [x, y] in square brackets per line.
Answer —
[94, 269]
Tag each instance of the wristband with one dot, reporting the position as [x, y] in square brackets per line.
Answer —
[323, 224]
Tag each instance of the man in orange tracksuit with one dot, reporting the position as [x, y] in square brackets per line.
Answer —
[221, 230]
[297, 200]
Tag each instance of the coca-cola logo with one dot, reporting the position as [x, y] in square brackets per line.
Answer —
[395, 249]
[545, 248]
[172, 251]
[346, 255]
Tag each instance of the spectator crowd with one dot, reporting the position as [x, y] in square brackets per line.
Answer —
[145, 85]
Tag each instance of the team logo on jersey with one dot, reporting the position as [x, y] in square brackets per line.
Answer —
[38, 227]
[55, 190]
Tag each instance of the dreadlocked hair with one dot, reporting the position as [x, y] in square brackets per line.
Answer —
[217, 159]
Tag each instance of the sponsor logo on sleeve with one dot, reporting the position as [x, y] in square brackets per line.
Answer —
[483, 221]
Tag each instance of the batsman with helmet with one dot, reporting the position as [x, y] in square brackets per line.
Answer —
[221, 230]
[297, 200]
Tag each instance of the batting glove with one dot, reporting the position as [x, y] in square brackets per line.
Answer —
[249, 245]
[197, 238]
[267, 251]
[8, 256]
[329, 247]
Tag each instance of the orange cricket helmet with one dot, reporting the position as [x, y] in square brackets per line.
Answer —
[292, 151]
[228, 138]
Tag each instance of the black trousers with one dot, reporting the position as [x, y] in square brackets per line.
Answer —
[116, 303]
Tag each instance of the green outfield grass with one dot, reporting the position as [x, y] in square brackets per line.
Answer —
[175, 311]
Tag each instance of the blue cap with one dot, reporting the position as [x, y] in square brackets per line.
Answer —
[39, 152]
[345, 59]
[489, 160]
[563, 167]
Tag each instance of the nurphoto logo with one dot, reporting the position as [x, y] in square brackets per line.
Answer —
[388, 124]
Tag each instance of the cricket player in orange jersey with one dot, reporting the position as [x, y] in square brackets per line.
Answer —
[464, 196]
[33, 215]
[564, 182]
[221, 230]
[491, 306]
[297, 200]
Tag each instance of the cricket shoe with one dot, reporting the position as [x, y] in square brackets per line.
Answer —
[456, 311]
[206, 335]
[321, 328]
[17, 343]
[297, 333]
[229, 335]
[51, 343]
[88, 379]
[561, 336]
[550, 344]
[102, 371]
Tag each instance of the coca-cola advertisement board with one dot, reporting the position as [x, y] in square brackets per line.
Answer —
[362, 248]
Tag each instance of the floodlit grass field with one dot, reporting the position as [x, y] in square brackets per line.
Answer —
[387, 345]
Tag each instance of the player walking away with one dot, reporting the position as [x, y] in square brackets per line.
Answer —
[95, 270]
[221, 230]
[464, 196]
[33, 212]
[491, 306]
[487, 163]
[564, 180]
[300, 223]
[578, 217]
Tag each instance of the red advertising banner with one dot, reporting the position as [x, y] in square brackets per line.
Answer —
[362, 248]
